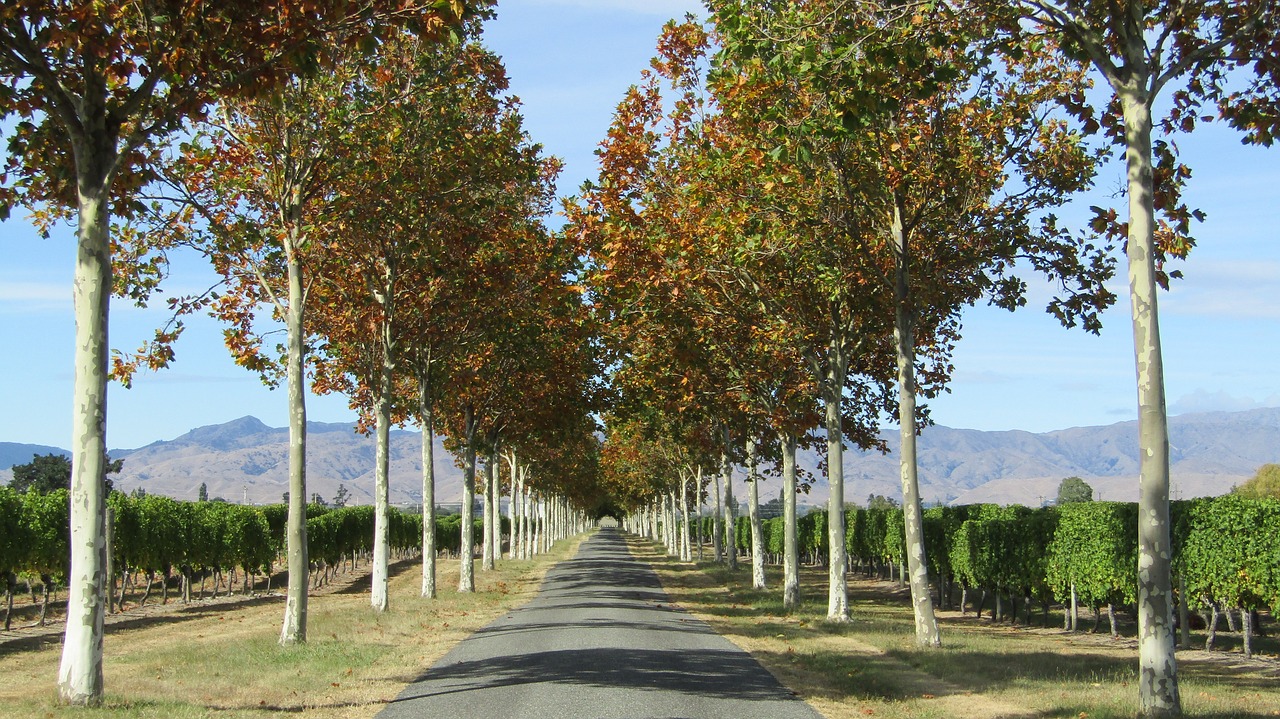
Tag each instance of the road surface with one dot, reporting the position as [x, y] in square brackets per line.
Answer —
[599, 640]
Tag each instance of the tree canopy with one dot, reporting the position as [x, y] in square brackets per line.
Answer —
[1074, 489]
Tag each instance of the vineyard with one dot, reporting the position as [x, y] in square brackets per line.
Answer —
[188, 543]
[1226, 554]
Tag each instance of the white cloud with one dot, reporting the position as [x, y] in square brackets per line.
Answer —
[1203, 400]
[23, 296]
[1236, 289]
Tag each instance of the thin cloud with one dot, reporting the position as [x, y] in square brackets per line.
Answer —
[1203, 400]
[26, 297]
[1239, 289]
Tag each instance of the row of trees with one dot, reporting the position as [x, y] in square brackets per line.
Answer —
[1226, 553]
[772, 188]
[162, 538]
[351, 178]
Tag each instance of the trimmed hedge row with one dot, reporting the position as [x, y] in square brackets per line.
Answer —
[1225, 549]
[159, 534]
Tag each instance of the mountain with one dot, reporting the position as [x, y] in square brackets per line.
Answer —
[245, 459]
[12, 453]
[1209, 453]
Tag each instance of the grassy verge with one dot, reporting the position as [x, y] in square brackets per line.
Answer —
[871, 667]
[225, 661]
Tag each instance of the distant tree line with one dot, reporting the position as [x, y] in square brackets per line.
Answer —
[1226, 555]
[154, 537]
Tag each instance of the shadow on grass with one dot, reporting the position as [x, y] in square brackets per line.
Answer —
[880, 662]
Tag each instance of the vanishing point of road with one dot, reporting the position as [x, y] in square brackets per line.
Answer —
[599, 640]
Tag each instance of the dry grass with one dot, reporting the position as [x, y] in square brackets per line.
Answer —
[871, 667]
[223, 659]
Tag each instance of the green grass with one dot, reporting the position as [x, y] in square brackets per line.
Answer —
[870, 665]
[227, 663]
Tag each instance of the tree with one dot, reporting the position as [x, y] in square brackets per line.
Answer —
[96, 87]
[938, 164]
[341, 496]
[1266, 483]
[1193, 51]
[202, 494]
[1074, 489]
[50, 472]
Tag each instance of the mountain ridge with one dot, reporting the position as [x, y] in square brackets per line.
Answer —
[246, 460]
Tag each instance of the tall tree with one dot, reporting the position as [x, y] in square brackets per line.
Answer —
[921, 135]
[1192, 51]
[97, 85]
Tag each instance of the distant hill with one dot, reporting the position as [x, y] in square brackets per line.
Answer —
[1209, 453]
[245, 459]
[12, 453]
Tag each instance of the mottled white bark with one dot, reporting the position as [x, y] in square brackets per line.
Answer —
[294, 630]
[686, 551]
[378, 591]
[753, 517]
[428, 487]
[513, 465]
[790, 542]
[717, 550]
[80, 671]
[904, 342]
[837, 584]
[466, 573]
[730, 535]
[487, 549]
[1158, 673]
[495, 491]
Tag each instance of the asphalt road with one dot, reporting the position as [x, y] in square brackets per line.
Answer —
[599, 640]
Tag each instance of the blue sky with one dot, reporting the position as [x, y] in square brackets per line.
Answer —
[570, 62]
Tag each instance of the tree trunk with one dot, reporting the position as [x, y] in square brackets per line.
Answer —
[1246, 632]
[45, 581]
[904, 340]
[1211, 627]
[10, 584]
[1158, 676]
[753, 517]
[378, 596]
[1111, 615]
[730, 533]
[110, 589]
[294, 630]
[146, 592]
[790, 537]
[495, 492]
[466, 573]
[487, 549]
[513, 540]
[716, 549]
[698, 489]
[80, 671]
[837, 586]
[1184, 616]
[426, 407]
[1075, 608]
[686, 552]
